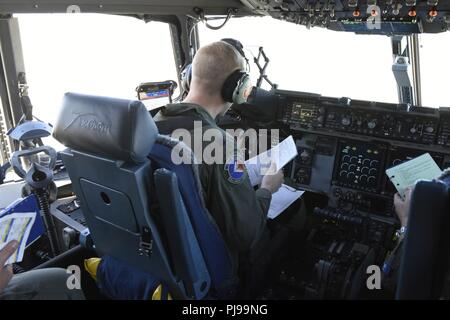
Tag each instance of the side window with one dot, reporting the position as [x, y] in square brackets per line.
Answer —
[435, 69]
[91, 54]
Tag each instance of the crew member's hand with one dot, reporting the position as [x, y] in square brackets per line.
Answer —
[402, 206]
[272, 180]
[6, 271]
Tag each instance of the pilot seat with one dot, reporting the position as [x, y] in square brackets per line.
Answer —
[146, 216]
[423, 272]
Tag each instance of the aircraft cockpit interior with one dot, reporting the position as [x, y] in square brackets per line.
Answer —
[363, 210]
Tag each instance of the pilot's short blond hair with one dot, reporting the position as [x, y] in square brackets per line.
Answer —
[212, 64]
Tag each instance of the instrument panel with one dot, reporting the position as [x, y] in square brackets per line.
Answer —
[344, 148]
[391, 121]
[346, 145]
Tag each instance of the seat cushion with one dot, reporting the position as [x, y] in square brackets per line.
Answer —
[118, 280]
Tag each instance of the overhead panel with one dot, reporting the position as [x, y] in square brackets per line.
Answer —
[367, 17]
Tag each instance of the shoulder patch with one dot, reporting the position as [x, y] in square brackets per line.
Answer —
[235, 171]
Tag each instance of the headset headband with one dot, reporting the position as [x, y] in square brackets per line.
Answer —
[236, 44]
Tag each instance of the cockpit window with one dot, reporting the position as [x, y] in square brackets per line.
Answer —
[92, 54]
[435, 69]
[317, 60]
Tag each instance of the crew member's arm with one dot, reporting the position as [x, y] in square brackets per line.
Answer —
[6, 271]
[402, 207]
[269, 185]
[239, 211]
[392, 262]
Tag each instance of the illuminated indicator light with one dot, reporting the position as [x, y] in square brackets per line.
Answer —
[356, 13]
[433, 12]
[369, 151]
[376, 152]
[354, 148]
[412, 12]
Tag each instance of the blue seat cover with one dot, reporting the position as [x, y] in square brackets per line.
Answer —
[118, 280]
[213, 246]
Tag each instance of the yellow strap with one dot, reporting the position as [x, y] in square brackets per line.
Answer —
[91, 266]
[158, 293]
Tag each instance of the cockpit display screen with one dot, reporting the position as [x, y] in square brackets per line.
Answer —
[305, 113]
[156, 90]
[360, 165]
[144, 95]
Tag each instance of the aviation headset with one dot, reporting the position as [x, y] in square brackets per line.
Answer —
[236, 84]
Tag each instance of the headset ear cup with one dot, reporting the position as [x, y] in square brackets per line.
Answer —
[240, 93]
[231, 85]
[186, 76]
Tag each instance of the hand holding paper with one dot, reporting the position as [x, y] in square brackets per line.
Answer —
[272, 181]
[406, 174]
[277, 158]
[281, 154]
[16, 226]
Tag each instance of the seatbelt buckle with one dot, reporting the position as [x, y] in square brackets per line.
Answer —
[146, 242]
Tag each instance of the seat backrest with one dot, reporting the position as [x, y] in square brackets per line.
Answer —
[109, 141]
[211, 242]
[424, 261]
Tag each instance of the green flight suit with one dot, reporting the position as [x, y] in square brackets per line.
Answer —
[239, 211]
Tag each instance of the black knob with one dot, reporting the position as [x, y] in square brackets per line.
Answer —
[374, 163]
[372, 124]
[346, 121]
[429, 129]
[305, 156]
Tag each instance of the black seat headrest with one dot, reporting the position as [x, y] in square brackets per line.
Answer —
[116, 129]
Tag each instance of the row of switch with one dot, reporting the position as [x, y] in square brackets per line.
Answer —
[329, 213]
